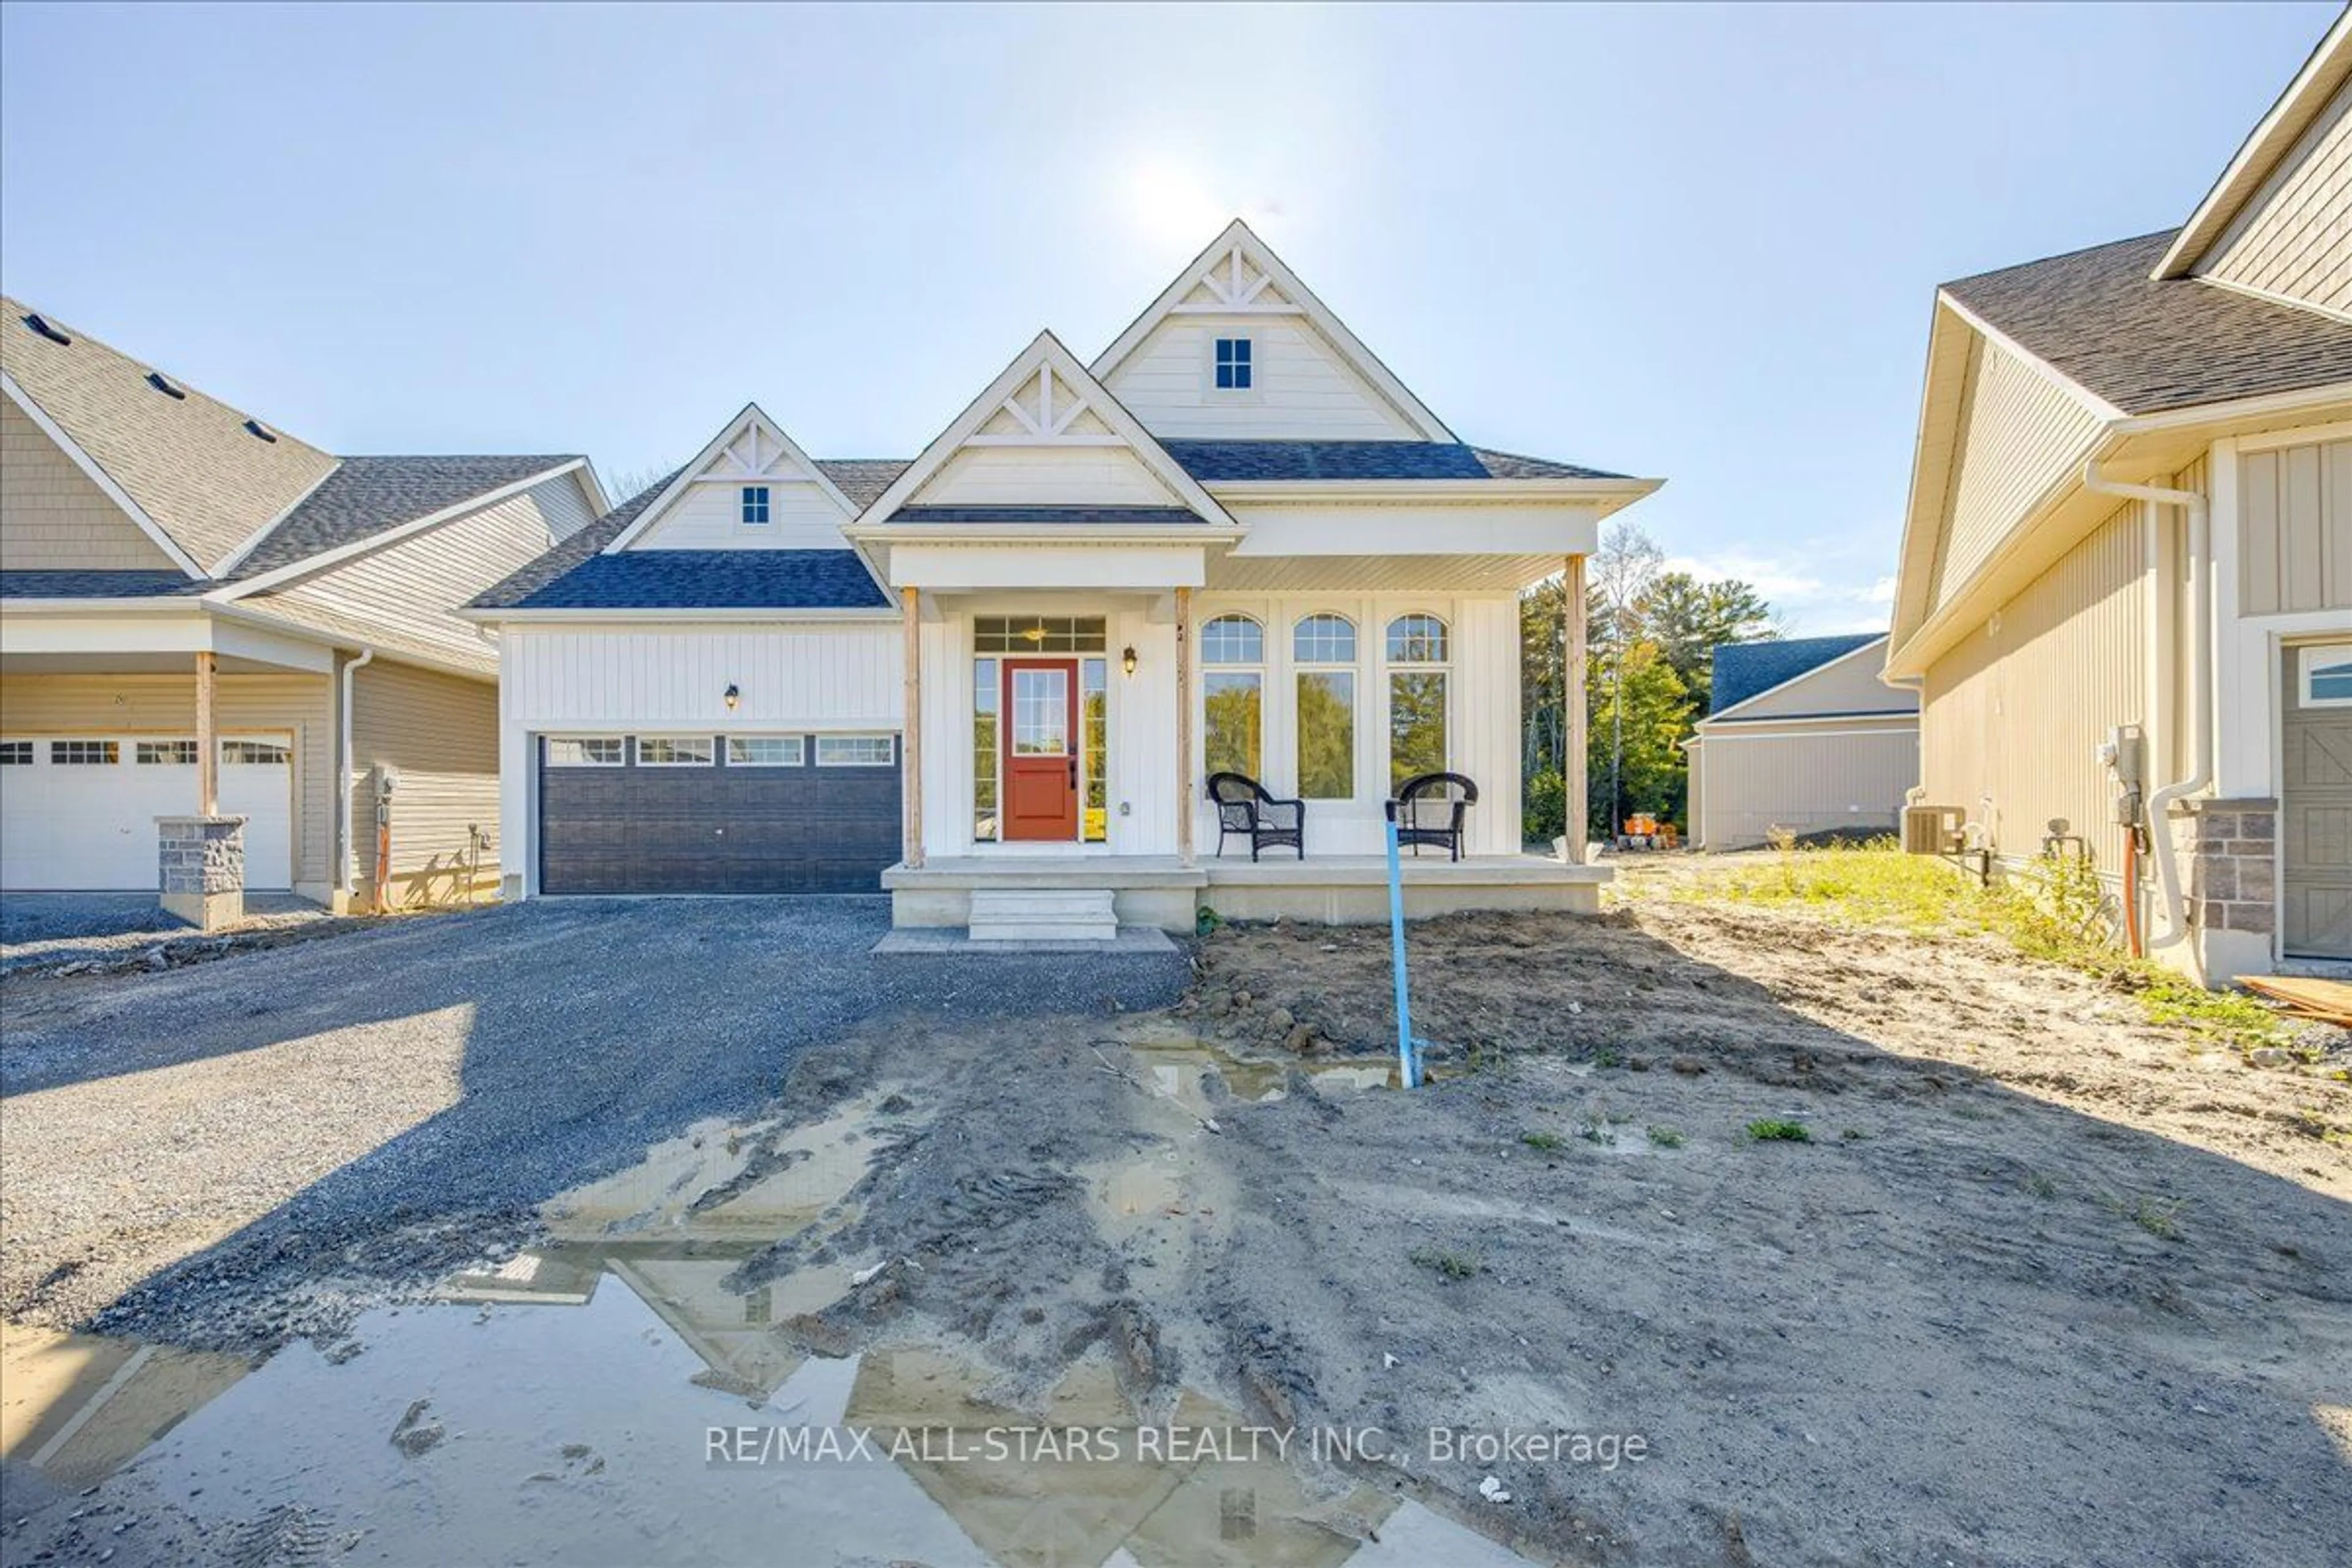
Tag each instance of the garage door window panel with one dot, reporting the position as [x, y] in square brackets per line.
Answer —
[164, 753]
[586, 753]
[766, 751]
[85, 753]
[856, 751]
[15, 754]
[675, 751]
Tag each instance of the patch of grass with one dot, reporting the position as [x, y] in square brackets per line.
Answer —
[2161, 1217]
[1546, 1142]
[1452, 1265]
[2057, 910]
[2040, 1187]
[1608, 1057]
[1774, 1129]
[1666, 1137]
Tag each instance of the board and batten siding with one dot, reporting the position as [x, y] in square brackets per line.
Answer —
[2294, 238]
[2020, 432]
[2013, 712]
[440, 734]
[405, 591]
[1748, 780]
[1301, 387]
[53, 518]
[2295, 521]
[709, 516]
[841, 675]
[166, 705]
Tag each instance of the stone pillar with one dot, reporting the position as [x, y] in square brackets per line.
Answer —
[200, 866]
[2229, 874]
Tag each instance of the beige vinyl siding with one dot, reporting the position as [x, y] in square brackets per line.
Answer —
[2294, 238]
[2013, 714]
[53, 518]
[166, 705]
[2296, 510]
[2020, 432]
[440, 734]
[1849, 685]
[401, 594]
[1301, 387]
[1750, 780]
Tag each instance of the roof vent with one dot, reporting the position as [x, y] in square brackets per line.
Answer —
[252, 427]
[162, 383]
[46, 330]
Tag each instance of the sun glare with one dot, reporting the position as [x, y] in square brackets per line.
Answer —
[1169, 202]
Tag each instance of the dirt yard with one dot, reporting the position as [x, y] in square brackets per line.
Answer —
[1830, 1245]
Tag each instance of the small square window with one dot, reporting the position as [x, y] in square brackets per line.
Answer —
[15, 754]
[165, 753]
[856, 752]
[755, 504]
[586, 754]
[1232, 365]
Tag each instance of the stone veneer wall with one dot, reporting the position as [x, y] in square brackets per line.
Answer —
[2229, 861]
[200, 867]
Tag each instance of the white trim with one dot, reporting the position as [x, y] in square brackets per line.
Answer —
[675, 738]
[800, 749]
[1045, 353]
[753, 418]
[1230, 248]
[1859, 716]
[890, 740]
[2300, 436]
[2269, 403]
[309, 566]
[237, 556]
[2308, 658]
[2269, 298]
[548, 759]
[492, 617]
[2075, 389]
[1878, 642]
[100, 477]
[1711, 737]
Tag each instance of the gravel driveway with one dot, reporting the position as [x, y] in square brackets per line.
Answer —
[61, 928]
[240, 1150]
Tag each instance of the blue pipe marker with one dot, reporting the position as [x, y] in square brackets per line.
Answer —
[1409, 1063]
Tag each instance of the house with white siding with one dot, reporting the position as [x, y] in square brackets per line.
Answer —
[998, 677]
[1801, 735]
[2126, 590]
[231, 656]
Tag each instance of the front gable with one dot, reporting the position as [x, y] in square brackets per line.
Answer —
[1309, 377]
[750, 488]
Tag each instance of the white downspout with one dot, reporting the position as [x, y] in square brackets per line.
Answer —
[2201, 680]
[343, 775]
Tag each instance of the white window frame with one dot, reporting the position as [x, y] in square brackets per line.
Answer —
[1392, 666]
[555, 760]
[1353, 667]
[824, 742]
[1247, 359]
[11, 756]
[799, 745]
[285, 757]
[750, 497]
[2309, 660]
[1256, 669]
[183, 749]
[708, 759]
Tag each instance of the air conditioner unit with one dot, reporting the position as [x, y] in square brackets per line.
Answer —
[1932, 829]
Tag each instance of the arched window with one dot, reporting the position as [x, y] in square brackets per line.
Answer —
[1233, 695]
[1417, 648]
[1323, 646]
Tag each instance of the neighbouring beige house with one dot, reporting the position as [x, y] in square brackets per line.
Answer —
[2126, 591]
[1801, 734]
[203, 616]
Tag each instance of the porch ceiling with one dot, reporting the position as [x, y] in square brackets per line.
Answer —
[1379, 573]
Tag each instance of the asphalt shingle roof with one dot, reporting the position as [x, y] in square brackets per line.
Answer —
[98, 584]
[2096, 316]
[189, 461]
[368, 496]
[1212, 462]
[1744, 669]
[863, 480]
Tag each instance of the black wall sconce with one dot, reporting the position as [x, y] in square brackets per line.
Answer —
[1127, 659]
[734, 694]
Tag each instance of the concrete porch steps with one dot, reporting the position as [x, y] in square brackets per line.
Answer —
[1043, 914]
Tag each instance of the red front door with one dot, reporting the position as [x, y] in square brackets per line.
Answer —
[1041, 749]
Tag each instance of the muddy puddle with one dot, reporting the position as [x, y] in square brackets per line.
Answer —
[622, 1395]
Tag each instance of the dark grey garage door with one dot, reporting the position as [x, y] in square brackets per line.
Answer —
[699, 814]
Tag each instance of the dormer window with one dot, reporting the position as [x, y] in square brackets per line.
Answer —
[1232, 365]
[755, 505]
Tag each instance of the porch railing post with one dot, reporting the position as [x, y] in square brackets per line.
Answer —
[910, 750]
[1184, 726]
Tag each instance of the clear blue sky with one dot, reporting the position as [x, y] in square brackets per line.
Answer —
[1698, 244]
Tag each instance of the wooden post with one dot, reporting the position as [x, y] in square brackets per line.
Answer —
[207, 741]
[910, 787]
[1184, 726]
[1575, 720]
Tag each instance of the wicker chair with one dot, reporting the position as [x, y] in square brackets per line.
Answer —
[1429, 809]
[1245, 808]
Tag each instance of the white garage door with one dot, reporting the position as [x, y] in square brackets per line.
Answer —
[78, 811]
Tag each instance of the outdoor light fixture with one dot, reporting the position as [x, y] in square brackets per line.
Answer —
[1127, 659]
[734, 694]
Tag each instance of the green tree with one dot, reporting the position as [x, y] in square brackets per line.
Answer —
[1640, 709]
[1688, 619]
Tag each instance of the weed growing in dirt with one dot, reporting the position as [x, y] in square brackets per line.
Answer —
[1546, 1142]
[2057, 910]
[1666, 1137]
[2161, 1217]
[1773, 1130]
[1853, 1136]
[1452, 1265]
[2040, 1187]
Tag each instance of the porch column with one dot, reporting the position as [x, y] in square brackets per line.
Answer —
[1574, 826]
[911, 773]
[1184, 726]
[208, 740]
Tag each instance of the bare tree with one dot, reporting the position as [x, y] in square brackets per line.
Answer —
[1628, 562]
[627, 484]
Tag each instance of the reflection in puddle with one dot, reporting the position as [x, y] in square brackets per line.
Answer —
[1176, 1061]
